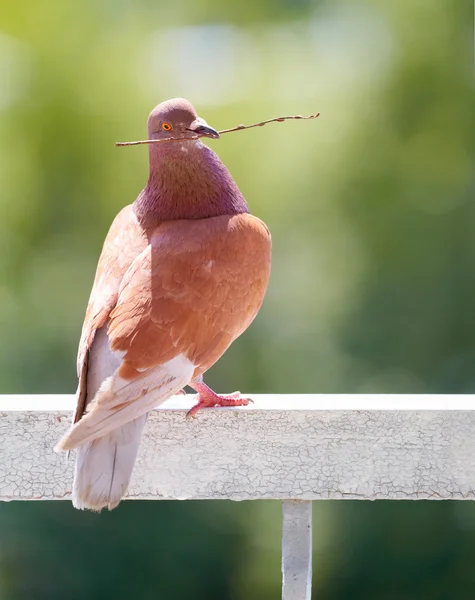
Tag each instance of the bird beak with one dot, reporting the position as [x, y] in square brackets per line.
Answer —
[201, 126]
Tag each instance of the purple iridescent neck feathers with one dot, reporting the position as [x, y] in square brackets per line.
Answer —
[187, 181]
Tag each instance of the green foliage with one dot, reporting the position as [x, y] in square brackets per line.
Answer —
[370, 207]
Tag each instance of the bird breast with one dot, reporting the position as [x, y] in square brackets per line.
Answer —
[195, 289]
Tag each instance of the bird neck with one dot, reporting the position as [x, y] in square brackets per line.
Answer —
[187, 181]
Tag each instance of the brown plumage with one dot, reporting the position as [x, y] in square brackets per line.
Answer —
[182, 274]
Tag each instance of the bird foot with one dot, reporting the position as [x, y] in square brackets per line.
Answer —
[207, 399]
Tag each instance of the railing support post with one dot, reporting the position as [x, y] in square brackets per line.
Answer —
[296, 550]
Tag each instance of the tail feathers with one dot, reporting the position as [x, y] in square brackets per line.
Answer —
[119, 401]
[104, 467]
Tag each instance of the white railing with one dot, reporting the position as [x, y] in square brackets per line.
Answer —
[296, 448]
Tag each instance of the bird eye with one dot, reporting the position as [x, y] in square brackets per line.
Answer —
[166, 127]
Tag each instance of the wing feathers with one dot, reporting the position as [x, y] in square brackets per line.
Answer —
[119, 401]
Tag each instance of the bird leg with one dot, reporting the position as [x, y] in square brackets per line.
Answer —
[206, 398]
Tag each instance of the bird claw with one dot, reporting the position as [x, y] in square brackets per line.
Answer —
[209, 399]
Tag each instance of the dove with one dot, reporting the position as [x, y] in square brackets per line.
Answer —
[182, 273]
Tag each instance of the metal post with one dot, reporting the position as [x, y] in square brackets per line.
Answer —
[296, 550]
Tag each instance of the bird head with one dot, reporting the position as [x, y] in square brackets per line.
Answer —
[177, 119]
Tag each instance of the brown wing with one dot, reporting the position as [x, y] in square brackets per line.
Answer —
[124, 242]
[194, 290]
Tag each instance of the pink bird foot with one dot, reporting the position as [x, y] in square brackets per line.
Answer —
[208, 399]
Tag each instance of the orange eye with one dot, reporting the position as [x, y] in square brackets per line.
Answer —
[166, 127]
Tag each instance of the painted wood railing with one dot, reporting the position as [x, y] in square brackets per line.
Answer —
[296, 448]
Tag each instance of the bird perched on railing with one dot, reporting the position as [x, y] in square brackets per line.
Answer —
[182, 274]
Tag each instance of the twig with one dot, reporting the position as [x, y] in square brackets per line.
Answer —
[237, 128]
[276, 120]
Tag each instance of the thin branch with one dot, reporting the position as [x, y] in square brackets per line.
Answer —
[276, 120]
[137, 143]
[237, 128]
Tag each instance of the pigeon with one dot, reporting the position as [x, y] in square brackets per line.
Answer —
[183, 272]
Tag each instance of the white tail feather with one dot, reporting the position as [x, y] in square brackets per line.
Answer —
[104, 467]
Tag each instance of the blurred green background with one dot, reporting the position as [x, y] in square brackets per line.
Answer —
[371, 208]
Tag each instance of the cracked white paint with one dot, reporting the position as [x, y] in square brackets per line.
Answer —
[287, 447]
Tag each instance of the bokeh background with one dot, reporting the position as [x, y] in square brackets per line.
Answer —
[371, 208]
